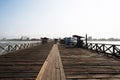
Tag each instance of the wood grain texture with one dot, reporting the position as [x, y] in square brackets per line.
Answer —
[52, 68]
[24, 64]
[81, 64]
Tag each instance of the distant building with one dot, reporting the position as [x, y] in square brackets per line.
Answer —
[24, 38]
[35, 39]
[89, 38]
[3, 39]
[44, 40]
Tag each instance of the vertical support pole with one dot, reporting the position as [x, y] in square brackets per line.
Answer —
[96, 46]
[103, 48]
[9, 48]
[113, 49]
[91, 48]
[86, 44]
[15, 47]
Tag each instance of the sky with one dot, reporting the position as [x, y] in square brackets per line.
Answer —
[59, 18]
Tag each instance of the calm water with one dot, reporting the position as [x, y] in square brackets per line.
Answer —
[117, 43]
[6, 43]
[106, 42]
[18, 41]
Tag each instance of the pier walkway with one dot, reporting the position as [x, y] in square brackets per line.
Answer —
[24, 64]
[81, 64]
[44, 62]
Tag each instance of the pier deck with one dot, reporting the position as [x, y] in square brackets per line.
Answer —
[24, 64]
[42, 63]
[81, 64]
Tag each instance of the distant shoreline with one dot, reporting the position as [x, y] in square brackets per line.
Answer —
[103, 40]
[20, 40]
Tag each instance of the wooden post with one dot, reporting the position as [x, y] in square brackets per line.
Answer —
[9, 48]
[96, 47]
[103, 48]
[91, 46]
[86, 44]
[113, 49]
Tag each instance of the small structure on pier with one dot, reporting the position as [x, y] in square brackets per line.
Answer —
[74, 41]
[44, 40]
[55, 40]
[79, 41]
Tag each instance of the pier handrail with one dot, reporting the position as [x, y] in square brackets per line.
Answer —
[111, 49]
[52, 68]
[14, 47]
[104, 43]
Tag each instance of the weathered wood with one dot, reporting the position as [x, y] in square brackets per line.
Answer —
[104, 48]
[81, 64]
[10, 48]
[52, 68]
[24, 64]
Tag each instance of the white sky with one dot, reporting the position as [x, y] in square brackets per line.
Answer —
[60, 18]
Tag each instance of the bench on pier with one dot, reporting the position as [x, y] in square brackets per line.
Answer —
[52, 68]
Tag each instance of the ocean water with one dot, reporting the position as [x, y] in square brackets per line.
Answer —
[4, 44]
[106, 42]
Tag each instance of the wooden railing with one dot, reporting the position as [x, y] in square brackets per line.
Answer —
[110, 49]
[10, 48]
[52, 68]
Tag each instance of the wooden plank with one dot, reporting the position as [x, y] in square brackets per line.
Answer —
[24, 64]
[61, 69]
[60, 66]
[58, 69]
[84, 65]
[52, 66]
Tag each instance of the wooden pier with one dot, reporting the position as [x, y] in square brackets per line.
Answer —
[52, 68]
[53, 62]
[24, 64]
[81, 64]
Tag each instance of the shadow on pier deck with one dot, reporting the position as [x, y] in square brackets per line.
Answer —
[80, 64]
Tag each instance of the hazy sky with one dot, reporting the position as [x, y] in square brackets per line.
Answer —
[59, 18]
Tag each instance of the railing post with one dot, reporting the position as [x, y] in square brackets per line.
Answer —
[86, 41]
[9, 48]
[86, 46]
[103, 48]
[91, 46]
[96, 45]
[113, 50]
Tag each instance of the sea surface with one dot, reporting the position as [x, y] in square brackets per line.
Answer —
[117, 43]
[4, 44]
[106, 42]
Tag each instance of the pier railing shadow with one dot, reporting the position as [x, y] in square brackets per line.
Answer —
[110, 49]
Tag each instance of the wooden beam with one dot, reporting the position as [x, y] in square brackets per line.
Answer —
[52, 68]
